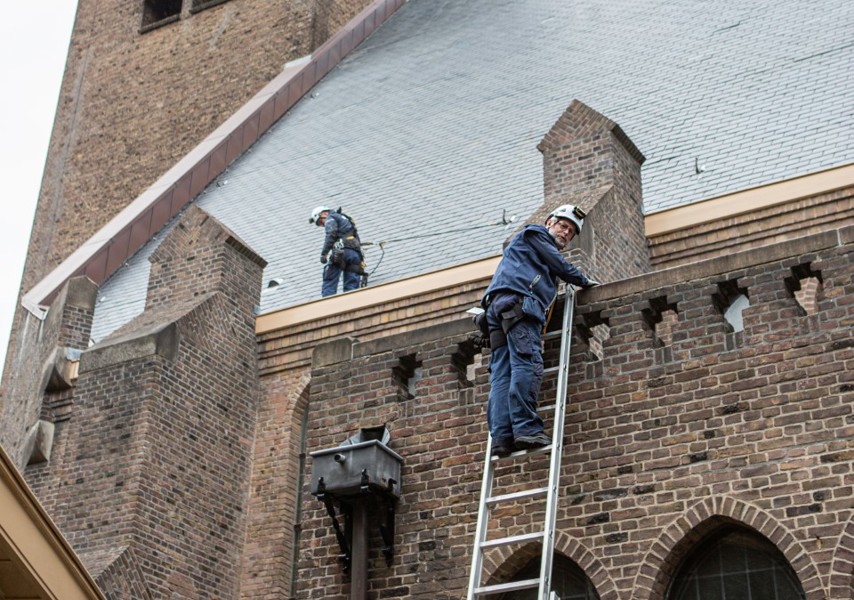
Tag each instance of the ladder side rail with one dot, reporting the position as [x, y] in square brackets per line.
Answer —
[482, 522]
[557, 446]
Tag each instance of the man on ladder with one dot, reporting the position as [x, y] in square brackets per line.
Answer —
[516, 302]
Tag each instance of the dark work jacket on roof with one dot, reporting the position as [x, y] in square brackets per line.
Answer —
[531, 265]
[339, 227]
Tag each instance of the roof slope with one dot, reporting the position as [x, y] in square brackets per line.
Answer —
[427, 133]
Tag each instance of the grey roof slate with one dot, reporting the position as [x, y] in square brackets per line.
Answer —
[426, 134]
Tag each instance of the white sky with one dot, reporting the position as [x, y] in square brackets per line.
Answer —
[33, 46]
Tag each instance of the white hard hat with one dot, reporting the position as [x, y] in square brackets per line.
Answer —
[315, 214]
[568, 211]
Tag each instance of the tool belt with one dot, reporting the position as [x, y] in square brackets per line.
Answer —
[337, 259]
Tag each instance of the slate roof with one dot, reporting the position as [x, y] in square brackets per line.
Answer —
[426, 134]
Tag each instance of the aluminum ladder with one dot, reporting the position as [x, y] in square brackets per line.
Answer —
[487, 501]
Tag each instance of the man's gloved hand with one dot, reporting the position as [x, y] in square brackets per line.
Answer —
[478, 340]
[481, 338]
[323, 258]
[591, 283]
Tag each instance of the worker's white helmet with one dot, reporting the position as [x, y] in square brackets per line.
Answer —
[315, 214]
[568, 211]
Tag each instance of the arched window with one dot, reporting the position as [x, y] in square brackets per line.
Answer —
[736, 564]
[568, 581]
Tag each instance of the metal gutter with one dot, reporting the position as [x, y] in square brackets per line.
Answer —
[36, 542]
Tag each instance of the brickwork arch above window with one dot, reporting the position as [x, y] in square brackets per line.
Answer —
[568, 580]
[735, 564]
[841, 573]
[710, 517]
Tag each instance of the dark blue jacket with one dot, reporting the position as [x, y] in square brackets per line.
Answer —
[531, 265]
[339, 227]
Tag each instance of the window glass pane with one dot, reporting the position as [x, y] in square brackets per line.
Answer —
[736, 587]
[736, 564]
[709, 588]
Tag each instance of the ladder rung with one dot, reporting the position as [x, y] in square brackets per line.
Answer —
[519, 453]
[513, 539]
[550, 371]
[510, 586]
[546, 409]
[552, 334]
[532, 493]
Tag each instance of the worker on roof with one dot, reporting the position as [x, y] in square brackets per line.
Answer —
[516, 303]
[342, 241]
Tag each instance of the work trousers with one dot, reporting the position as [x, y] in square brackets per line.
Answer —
[516, 373]
[332, 273]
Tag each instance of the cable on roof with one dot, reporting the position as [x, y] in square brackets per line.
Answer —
[435, 233]
[503, 222]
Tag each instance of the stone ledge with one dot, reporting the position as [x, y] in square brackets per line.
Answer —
[414, 338]
[155, 340]
[332, 352]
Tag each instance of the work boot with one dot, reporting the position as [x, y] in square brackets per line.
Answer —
[501, 449]
[532, 442]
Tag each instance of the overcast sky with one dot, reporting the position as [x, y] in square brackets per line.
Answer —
[33, 45]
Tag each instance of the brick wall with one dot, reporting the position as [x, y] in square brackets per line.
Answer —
[67, 326]
[663, 442]
[273, 518]
[438, 432]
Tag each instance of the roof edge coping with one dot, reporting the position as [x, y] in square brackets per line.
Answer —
[747, 200]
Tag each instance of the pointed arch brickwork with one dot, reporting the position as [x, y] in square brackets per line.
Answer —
[676, 540]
